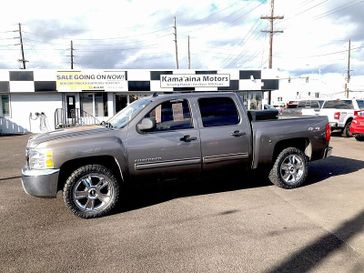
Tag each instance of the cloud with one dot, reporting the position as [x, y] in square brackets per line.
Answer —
[48, 30]
[224, 34]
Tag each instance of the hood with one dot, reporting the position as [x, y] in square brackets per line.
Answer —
[65, 133]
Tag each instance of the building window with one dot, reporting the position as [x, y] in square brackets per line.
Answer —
[5, 105]
[121, 101]
[280, 99]
[252, 99]
[94, 104]
[317, 95]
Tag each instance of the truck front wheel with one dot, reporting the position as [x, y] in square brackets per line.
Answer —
[290, 169]
[91, 191]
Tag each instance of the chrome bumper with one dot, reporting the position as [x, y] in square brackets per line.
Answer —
[40, 183]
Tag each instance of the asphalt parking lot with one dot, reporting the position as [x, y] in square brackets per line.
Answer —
[236, 223]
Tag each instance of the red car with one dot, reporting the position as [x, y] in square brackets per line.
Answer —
[357, 126]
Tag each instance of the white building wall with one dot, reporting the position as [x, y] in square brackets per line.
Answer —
[24, 105]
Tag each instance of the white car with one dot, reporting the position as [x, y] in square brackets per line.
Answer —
[341, 112]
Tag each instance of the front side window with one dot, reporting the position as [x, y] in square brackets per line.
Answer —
[5, 108]
[218, 111]
[171, 115]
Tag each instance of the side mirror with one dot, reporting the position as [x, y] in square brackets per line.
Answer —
[146, 124]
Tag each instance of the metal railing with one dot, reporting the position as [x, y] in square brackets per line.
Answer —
[75, 117]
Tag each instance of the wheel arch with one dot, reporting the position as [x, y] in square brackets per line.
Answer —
[108, 161]
[302, 144]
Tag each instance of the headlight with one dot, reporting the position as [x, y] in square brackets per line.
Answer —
[40, 159]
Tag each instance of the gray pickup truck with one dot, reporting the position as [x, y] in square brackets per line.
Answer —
[166, 136]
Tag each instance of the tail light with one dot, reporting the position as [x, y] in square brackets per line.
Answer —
[337, 115]
[328, 132]
[359, 113]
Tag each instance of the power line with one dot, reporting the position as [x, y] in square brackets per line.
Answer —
[339, 8]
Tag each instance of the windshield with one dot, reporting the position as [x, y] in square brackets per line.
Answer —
[128, 113]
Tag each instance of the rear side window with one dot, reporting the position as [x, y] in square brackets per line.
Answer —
[218, 111]
[338, 104]
[360, 104]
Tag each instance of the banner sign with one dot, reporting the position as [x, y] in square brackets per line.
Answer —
[194, 80]
[91, 80]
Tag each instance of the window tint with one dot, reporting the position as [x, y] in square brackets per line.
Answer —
[360, 104]
[218, 111]
[338, 104]
[315, 104]
[301, 104]
[171, 115]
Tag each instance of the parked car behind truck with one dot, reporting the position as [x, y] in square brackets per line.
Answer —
[341, 113]
[166, 136]
[303, 107]
[357, 126]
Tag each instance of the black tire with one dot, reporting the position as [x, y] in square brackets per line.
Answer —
[359, 137]
[97, 189]
[290, 169]
[346, 131]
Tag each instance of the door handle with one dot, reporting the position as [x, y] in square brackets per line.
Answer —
[238, 133]
[187, 138]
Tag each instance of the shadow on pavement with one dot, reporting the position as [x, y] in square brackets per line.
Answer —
[332, 166]
[146, 194]
[313, 254]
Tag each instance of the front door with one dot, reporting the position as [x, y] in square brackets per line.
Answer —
[171, 148]
[71, 106]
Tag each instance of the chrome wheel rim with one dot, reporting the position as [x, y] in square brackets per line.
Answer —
[93, 192]
[292, 169]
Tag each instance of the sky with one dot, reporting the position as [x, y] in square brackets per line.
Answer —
[114, 34]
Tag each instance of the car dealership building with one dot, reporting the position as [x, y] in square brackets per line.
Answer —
[42, 100]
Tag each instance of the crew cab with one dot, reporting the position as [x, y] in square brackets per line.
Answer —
[341, 113]
[167, 136]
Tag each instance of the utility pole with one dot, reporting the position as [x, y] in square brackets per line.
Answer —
[348, 72]
[189, 53]
[72, 54]
[175, 40]
[22, 48]
[271, 32]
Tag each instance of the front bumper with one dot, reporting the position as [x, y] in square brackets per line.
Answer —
[40, 183]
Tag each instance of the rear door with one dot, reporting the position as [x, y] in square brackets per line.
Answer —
[225, 132]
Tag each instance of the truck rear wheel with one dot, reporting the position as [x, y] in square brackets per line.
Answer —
[91, 191]
[290, 169]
